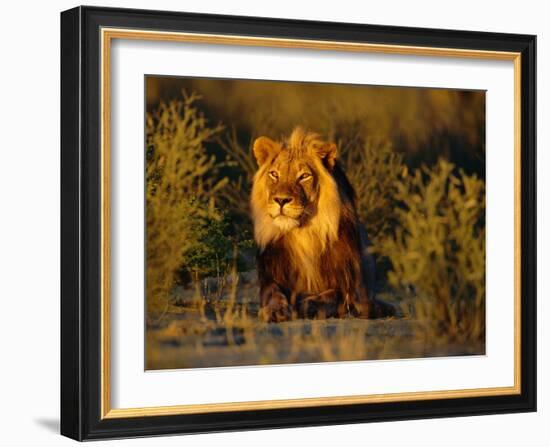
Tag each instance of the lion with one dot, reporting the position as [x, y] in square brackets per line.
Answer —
[313, 259]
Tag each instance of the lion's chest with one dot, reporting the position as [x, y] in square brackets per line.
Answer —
[305, 253]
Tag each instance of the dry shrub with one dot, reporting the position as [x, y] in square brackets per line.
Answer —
[374, 169]
[242, 167]
[438, 252]
[182, 184]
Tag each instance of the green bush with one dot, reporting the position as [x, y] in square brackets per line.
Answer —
[212, 249]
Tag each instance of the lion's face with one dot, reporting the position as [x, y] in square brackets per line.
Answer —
[293, 187]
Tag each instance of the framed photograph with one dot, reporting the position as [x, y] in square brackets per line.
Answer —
[275, 223]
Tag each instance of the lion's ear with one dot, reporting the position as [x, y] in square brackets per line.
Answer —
[328, 152]
[263, 148]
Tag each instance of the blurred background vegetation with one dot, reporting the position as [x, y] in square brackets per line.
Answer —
[416, 157]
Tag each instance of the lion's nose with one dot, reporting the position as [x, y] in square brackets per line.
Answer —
[282, 200]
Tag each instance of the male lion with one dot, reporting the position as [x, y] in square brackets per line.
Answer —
[312, 259]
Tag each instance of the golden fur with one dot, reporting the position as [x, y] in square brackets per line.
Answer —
[305, 225]
[311, 238]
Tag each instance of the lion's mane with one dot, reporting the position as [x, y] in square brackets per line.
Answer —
[319, 262]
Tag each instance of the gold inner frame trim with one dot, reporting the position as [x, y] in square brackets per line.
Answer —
[107, 35]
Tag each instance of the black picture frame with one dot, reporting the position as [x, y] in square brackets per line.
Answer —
[81, 223]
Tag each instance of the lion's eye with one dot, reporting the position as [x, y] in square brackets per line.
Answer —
[274, 175]
[304, 176]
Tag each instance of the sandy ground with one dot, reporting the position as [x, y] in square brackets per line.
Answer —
[220, 331]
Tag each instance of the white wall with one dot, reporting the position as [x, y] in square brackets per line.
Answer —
[29, 206]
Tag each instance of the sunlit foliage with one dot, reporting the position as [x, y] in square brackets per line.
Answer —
[181, 187]
[438, 252]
